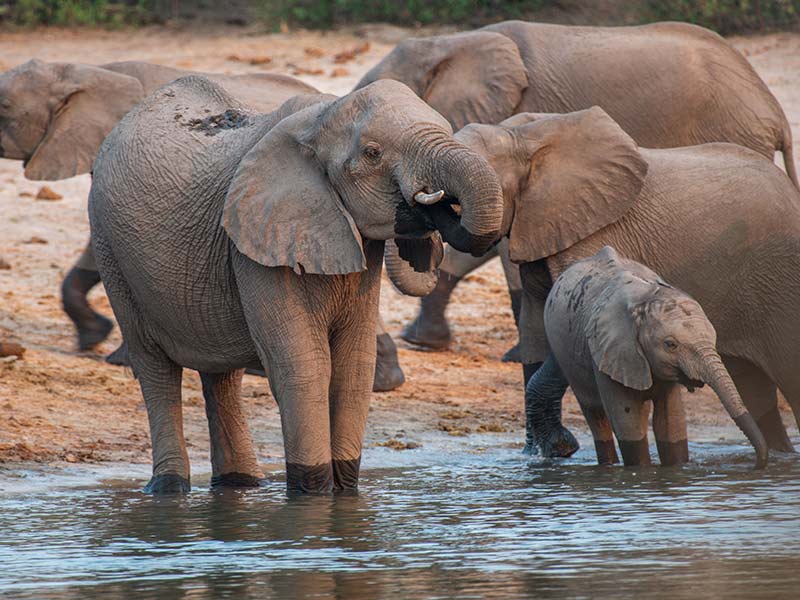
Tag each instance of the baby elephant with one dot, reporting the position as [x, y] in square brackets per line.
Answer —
[623, 336]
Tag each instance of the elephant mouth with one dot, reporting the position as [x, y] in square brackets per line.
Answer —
[690, 384]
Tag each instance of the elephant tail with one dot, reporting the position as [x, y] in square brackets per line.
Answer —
[788, 157]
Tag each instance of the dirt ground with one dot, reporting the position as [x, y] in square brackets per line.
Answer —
[58, 405]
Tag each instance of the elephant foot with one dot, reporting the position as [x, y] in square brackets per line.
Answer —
[771, 426]
[635, 453]
[558, 443]
[237, 480]
[168, 483]
[512, 355]
[309, 479]
[388, 374]
[430, 329]
[91, 333]
[119, 357]
[606, 452]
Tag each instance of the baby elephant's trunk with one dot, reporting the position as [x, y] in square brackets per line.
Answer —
[713, 372]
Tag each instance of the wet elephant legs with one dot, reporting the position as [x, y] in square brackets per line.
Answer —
[544, 431]
[669, 426]
[233, 458]
[760, 396]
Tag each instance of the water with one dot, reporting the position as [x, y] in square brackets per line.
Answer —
[489, 526]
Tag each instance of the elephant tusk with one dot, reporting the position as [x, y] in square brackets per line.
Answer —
[428, 199]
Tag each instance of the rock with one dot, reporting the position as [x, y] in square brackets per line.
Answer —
[26, 194]
[252, 60]
[4, 265]
[35, 240]
[11, 349]
[46, 193]
[349, 54]
[314, 52]
[340, 72]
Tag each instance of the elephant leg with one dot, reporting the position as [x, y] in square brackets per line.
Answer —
[352, 357]
[602, 433]
[92, 327]
[160, 380]
[388, 374]
[669, 426]
[430, 328]
[514, 283]
[543, 428]
[233, 457]
[629, 419]
[760, 395]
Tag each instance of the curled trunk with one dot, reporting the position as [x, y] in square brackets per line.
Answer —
[407, 279]
[466, 177]
[713, 372]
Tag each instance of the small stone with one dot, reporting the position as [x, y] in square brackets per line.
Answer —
[340, 72]
[11, 349]
[4, 265]
[26, 194]
[71, 458]
[35, 240]
[314, 52]
[46, 193]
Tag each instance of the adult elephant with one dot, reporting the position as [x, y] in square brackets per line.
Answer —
[54, 116]
[667, 84]
[719, 221]
[229, 239]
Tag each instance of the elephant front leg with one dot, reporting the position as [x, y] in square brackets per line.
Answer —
[352, 360]
[161, 387]
[629, 417]
[233, 458]
[669, 426]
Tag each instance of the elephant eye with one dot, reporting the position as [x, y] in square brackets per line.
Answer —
[372, 152]
[670, 344]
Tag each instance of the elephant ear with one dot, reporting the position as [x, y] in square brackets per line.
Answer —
[87, 103]
[281, 209]
[612, 332]
[585, 173]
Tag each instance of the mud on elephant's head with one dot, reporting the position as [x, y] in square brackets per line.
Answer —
[377, 163]
[54, 116]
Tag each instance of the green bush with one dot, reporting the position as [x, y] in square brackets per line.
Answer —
[27, 13]
[326, 13]
[729, 16]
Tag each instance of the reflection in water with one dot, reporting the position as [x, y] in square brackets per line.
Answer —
[497, 529]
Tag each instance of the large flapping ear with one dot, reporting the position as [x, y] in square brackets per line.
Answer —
[281, 209]
[87, 102]
[479, 78]
[585, 173]
[612, 331]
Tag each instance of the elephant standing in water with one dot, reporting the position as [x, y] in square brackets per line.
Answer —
[717, 220]
[622, 336]
[667, 84]
[229, 239]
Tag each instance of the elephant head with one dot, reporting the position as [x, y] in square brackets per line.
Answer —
[54, 116]
[379, 164]
[641, 329]
[472, 77]
[564, 177]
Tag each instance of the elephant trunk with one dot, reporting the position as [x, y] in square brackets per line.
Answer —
[712, 371]
[405, 278]
[465, 177]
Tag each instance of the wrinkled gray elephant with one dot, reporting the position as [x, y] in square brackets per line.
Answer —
[667, 84]
[228, 239]
[717, 220]
[622, 336]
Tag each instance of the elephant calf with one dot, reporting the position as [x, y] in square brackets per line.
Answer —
[622, 336]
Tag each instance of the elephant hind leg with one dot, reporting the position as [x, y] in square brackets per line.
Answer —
[760, 395]
[233, 457]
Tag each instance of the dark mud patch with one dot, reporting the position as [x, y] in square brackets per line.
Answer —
[213, 124]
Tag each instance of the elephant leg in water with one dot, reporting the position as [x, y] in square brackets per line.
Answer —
[430, 327]
[92, 327]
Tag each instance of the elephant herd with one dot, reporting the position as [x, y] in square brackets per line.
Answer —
[242, 222]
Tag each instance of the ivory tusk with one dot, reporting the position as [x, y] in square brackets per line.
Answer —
[428, 199]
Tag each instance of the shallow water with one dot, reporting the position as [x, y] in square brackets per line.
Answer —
[488, 526]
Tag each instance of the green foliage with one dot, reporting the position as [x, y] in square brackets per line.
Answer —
[28, 13]
[729, 16]
[326, 13]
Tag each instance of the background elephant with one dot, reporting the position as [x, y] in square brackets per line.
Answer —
[623, 336]
[291, 279]
[667, 84]
[717, 220]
